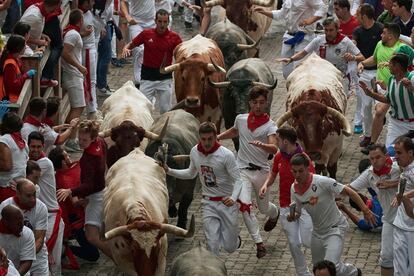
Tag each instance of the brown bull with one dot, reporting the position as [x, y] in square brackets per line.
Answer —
[315, 107]
[197, 60]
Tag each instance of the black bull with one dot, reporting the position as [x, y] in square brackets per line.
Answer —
[240, 78]
[181, 135]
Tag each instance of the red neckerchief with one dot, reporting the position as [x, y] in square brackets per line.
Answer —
[5, 230]
[95, 148]
[254, 121]
[23, 208]
[42, 155]
[300, 190]
[83, 10]
[70, 27]
[203, 151]
[337, 39]
[33, 121]
[48, 122]
[386, 169]
[48, 15]
[17, 138]
[4, 271]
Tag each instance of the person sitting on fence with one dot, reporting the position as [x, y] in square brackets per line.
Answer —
[11, 77]
[23, 29]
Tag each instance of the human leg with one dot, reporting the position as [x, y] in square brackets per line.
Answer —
[55, 268]
[401, 258]
[164, 91]
[104, 57]
[229, 227]
[378, 121]
[387, 251]
[92, 106]
[211, 226]
[137, 52]
[148, 89]
[265, 206]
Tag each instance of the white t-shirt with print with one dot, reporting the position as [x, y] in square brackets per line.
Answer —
[142, 10]
[74, 39]
[319, 202]
[334, 53]
[36, 20]
[19, 157]
[402, 220]
[249, 153]
[218, 172]
[48, 133]
[368, 179]
[19, 248]
[47, 184]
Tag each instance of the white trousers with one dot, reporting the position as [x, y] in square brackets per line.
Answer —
[159, 92]
[298, 233]
[363, 110]
[220, 225]
[397, 128]
[403, 252]
[57, 250]
[188, 13]
[288, 51]
[93, 59]
[253, 180]
[329, 246]
[387, 245]
[138, 52]
[94, 209]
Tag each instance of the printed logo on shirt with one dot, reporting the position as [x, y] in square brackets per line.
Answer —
[27, 223]
[313, 200]
[150, 40]
[209, 176]
[337, 51]
[314, 188]
[335, 184]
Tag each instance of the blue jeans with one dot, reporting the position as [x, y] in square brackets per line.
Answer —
[53, 30]
[104, 57]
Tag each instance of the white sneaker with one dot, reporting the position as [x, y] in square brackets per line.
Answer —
[103, 92]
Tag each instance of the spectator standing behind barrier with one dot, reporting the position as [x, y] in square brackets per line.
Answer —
[23, 29]
[13, 154]
[386, 16]
[347, 22]
[158, 43]
[11, 77]
[405, 19]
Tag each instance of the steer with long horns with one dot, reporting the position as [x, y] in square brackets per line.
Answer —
[240, 78]
[241, 13]
[316, 108]
[135, 212]
[197, 60]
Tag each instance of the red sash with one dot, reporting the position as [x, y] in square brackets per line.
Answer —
[52, 240]
[87, 85]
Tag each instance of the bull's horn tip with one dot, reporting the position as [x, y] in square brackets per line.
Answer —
[346, 133]
[191, 231]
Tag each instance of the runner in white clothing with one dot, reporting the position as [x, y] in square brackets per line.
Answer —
[35, 217]
[221, 185]
[316, 194]
[403, 224]
[47, 184]
[257, 136]
[383, 178]
[16, 239]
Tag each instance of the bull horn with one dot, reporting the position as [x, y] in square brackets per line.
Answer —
[249, 46]
[152, 136]
[346, 127]
[268, 86]
[168, 69]
[118, 231]
[179, 105]
[105, 133]
[213, 3]
[263, 3]
[222, 84]
[282, 119]
[180, 158]
[172, 229]
[214, 67]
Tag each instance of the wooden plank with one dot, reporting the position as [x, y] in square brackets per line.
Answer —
[25, 97]
[64, 108]
[48, 93]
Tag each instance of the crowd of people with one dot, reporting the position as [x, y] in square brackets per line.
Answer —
[46, 199]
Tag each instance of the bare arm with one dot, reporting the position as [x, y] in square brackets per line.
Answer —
[408, 205]
[270, 147]
[368, 215]
[369, 62]
[125, 11]
[206, 20]
[5, 5]
[24, 267]
[39, 239]
[66, 134]
[369, 92]
[228, 134]
[70, 59]
[6, 162]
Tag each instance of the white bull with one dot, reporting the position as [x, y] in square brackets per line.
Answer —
[316, 108]
[135, 215]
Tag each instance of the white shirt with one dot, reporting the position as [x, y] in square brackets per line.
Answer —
[142, 10]
[295, 11]
[218, 172]
[28, 51]
[402, 220]
[48, 133]
[35, 19]
[47, 184]
[368, 179]
[19, 248]
[11, 270]
[35, 219]
[74, 39]
[334, 53]
[163, 4]
[325, 214]
[88, 41]
[19, 158]
[249, 153]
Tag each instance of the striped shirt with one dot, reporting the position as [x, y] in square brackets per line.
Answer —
[400, 99]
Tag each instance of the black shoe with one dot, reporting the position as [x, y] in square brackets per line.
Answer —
[240, 242]
[188, 25]
[366, 150]
[359, 272]
[137, 85]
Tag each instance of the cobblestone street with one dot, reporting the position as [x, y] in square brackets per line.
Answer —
[360, 248]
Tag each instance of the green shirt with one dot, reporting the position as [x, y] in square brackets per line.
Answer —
[385, 18]
[382, 54]
[401, 100]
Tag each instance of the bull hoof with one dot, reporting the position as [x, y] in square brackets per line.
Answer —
[172, 211]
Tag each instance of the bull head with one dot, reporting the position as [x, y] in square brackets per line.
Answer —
[145, 226]
[253, 45]
[227, 84]
[212, 67]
